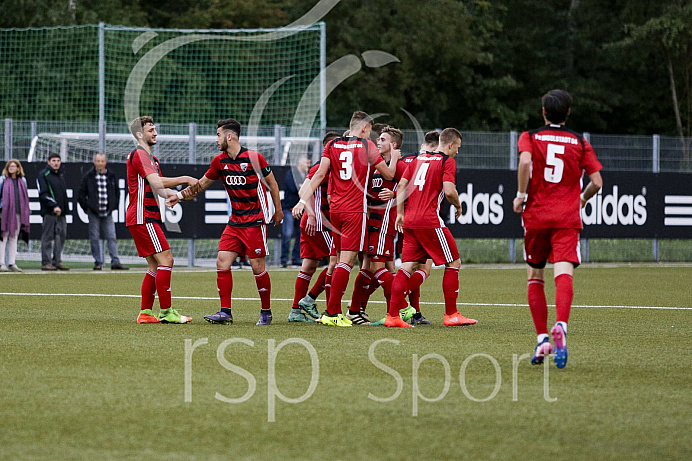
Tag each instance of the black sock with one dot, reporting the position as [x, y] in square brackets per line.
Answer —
[352, 312]
[227, 311]
[417, 315]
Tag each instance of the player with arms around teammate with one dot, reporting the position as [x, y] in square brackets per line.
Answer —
[350, 161]
[428, 180]
[246, 175]
[551, 163]
[143, 220]
[376, 267]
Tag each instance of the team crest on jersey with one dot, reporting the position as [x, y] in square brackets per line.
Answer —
[371, 248]
[243, 167]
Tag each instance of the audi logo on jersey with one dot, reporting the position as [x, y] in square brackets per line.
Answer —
[235, 180]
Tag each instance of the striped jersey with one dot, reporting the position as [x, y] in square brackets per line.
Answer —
[425, 191]
[383, 213]
[243, 180]
[352, 162]
[321, 203]
[144, 202]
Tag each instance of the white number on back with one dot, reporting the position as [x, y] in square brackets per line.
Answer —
[554, 165]
[420, 176]
[346, 170]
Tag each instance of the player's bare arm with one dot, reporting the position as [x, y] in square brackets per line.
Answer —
[523, 176]
[158, 186]
[400, 199]
[309, 188]
[595, 184]
[190, 192]
[452, 196]
[273, 187]
[388, 171]
[178, 181]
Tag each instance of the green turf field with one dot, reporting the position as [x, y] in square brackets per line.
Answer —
[80, 380]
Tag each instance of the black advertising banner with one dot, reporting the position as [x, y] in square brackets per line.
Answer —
[630, 205]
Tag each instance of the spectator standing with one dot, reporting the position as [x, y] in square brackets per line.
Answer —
[14, 217]
[290, 227]
[53, 197]
[98, 196]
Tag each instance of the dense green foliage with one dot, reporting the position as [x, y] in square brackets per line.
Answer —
[478, 65]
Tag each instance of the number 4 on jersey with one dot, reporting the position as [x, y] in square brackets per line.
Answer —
[420, 176]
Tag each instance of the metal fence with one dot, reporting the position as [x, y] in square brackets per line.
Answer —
[480, 150]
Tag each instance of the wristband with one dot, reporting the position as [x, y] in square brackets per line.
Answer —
[521, 194]
[302, 201]
[180, 195]
[583, 199]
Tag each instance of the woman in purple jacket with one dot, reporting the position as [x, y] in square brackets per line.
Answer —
[14, 213]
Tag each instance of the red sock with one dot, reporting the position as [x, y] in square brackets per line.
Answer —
[450, 287]
[361, 290]
[564, 292]
[339, 283]
[538, 305]
[414, 283]
[327, 286]
[224, 283]
[148, 290]
[374, 285]
[385, 278]
[163, 286]
[264, 288]
[399, 285]
[318, 287]
[301, 288]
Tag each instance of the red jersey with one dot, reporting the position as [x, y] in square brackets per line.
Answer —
[321, 203]
[383, 213]
[144, 202]
[246, 192]
[425, 191]
[558, 156]
[353, 161]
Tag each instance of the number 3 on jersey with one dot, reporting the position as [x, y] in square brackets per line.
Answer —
[554, 165]
[346, 171]
[420, 176]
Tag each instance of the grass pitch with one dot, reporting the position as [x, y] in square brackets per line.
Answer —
[80, 380]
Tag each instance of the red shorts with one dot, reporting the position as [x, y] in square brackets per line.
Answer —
[380, 246]
[250, 241]
[423, 244]
[349, 231]
[553, 245]
[316, 247]
[149, 238]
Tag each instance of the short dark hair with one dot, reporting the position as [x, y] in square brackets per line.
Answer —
[229, 124]
[556, 104]
[450, 135]
[329, 136]
[394, 133]
[432, 137]
[54, 155]
[137, 125]
[359, 117]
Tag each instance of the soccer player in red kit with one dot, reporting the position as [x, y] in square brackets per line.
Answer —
[315, 245]
[551, 164]
[246, 175]
[377, 270]
[143, 219]
[428, 180]
[350, 161]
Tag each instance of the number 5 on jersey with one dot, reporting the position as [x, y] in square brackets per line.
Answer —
[420, 176]
[554, 165]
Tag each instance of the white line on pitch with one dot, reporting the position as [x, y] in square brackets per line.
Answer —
[208, 298]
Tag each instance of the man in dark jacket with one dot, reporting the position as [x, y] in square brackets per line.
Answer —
[53, 196]
[98, 196]
[291, 227]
